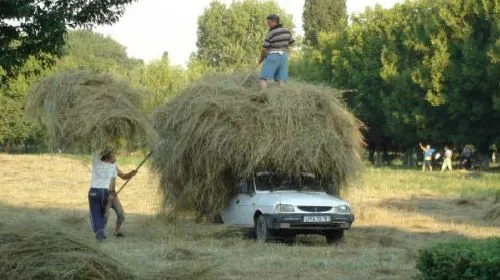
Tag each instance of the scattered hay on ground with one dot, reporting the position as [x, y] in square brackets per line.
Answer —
[27, 255]
[193, 273]
[218, 132]
[88, 111]
[178, 254]
[493, 214]
[465, 201]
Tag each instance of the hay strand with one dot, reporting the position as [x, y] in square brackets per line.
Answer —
[89, 111]
[493, 214]
[218, 132]
[54, 256]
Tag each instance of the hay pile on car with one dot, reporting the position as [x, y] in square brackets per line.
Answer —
[85, 111]
[27, 255]
[218, 132]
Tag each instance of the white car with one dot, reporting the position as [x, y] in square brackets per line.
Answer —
[279, 208]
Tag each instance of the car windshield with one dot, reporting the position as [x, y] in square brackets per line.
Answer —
[268, 181]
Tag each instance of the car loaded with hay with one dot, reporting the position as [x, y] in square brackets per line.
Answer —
[278, 207]
[219, 133]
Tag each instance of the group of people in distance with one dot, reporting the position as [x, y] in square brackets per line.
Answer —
[430, 154]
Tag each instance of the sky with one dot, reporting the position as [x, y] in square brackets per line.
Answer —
[150, 27]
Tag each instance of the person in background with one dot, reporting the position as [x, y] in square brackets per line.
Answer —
[428, 151]
[274, 52]
[466, 157]
[448, 153]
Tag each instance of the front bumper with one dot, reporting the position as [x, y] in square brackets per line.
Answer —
[295, 222]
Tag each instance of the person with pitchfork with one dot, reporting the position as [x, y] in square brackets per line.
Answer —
[274, 52]
[102, 192]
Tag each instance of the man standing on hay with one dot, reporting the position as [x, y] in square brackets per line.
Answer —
[102, 191]
[275, 52]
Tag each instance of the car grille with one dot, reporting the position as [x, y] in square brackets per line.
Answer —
[315, 209]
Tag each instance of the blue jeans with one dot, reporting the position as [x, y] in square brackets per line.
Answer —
[275, 67]
[98, 199]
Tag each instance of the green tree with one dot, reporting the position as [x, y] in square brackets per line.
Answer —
[14, 128]
[356, 69]
[36, 28]
[162, 81]
[314, 64]
[230, 37]
[197, 68]
[323, 16]
[94, 51]
[83, 49]
[423, 70]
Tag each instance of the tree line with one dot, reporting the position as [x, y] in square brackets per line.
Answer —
[420, 71]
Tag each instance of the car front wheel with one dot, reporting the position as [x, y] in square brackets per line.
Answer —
[335, 236]
[262, 231]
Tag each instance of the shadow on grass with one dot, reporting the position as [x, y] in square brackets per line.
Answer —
[466, 210]
[148, 227]
[182, 244]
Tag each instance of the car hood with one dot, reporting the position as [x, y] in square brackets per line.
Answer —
[306, 198]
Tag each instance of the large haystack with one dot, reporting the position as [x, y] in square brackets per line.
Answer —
[83, 110]
[217, 132]
[28, 255]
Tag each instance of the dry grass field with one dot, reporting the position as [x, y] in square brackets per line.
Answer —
[398, 212]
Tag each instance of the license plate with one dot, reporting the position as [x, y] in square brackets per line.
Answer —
[317, 219]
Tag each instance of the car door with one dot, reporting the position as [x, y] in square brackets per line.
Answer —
[245, 204]
[237, 209]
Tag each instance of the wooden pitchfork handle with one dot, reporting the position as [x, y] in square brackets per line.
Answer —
[137, 169]
[250, 73]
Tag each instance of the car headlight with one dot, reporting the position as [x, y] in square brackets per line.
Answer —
[342, 209]
[284, 208]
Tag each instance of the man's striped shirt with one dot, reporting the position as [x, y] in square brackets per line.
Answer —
[278, 39]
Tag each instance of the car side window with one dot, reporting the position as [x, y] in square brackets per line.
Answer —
[244, 188]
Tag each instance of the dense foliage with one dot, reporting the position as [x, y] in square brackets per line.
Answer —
[323, 16]
[423, 70]
[36, 28]
[461, 260]
[230, 37]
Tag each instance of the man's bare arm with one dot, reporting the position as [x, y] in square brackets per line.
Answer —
[120, 173]
[422, 147]
[125, 176]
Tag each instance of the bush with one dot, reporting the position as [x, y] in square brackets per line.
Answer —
[461, 260]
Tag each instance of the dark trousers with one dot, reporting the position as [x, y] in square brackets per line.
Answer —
[98, 198]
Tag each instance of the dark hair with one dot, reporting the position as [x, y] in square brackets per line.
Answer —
[106, 154]
[274, 17]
